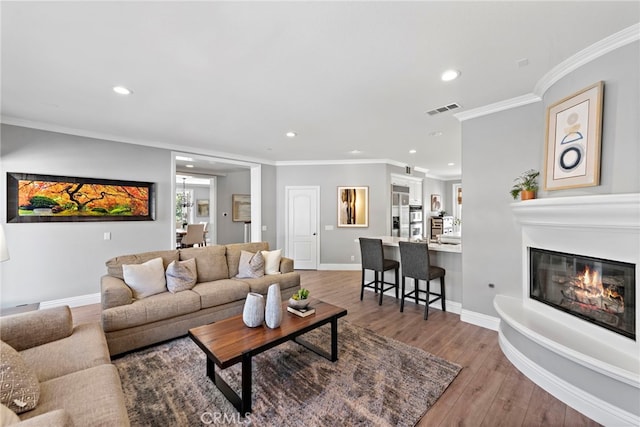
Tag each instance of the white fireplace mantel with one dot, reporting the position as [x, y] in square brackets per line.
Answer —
[592, 369]
[605, 211]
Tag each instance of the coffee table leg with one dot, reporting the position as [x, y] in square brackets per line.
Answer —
[243, 402]
[246, 384]
[334, 339]
[331, 355]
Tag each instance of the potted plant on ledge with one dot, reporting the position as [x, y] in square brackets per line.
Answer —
[526, 185]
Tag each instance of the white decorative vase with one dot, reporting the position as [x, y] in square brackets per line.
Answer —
[253, 312]
[273, 309]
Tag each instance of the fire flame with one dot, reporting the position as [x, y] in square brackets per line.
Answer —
[591, 283]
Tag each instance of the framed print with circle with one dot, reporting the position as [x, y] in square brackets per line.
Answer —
[574, 128]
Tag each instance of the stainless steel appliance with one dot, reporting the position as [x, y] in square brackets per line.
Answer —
[399, 211]
[415, 222]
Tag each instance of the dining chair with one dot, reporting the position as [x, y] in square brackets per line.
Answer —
[206, 232]
[414, 258]
[195, 235]
[373, 259]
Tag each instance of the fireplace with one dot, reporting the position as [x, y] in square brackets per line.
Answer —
[572, 328]
[597, 290]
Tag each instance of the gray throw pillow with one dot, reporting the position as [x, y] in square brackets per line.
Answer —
[181, 275]
[19, 386]
[251, 265]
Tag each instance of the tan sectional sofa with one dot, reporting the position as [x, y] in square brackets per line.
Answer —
[131, 323]
[78, 385]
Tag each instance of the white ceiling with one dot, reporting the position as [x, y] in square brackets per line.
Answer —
[233, 77]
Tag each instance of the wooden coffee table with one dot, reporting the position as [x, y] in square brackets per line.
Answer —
[230, 341]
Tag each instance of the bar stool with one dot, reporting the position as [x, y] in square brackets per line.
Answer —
[416, 265]
[373, 259]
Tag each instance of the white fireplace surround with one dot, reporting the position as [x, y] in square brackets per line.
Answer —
[590, 368]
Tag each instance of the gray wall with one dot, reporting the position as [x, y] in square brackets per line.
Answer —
[491, 251]
[269, 214]
[233, 183]
[338, 245]
[498, 147]
[51, 261]
[60, 260]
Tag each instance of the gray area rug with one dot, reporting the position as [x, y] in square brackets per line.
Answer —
[377, 381]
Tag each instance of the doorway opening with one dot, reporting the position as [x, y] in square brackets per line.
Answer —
[210, 182]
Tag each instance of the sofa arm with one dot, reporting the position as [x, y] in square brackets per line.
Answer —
[27, 330]
[56, 418]
[114, 292]
[286, 265]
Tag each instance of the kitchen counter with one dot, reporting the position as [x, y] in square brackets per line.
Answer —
[438, 247]
[446, 256]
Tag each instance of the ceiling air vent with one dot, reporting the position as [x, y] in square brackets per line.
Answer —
[443, 109]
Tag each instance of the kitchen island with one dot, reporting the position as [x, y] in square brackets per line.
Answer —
[443, 255]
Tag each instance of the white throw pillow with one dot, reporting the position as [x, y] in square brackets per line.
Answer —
[272, 261]
[251, 265]
[181, 275]
[145, 279]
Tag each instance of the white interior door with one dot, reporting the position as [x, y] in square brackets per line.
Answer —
[302, 240]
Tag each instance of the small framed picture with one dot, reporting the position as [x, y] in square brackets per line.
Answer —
[202, 207]
[436, 203]
[241, 207]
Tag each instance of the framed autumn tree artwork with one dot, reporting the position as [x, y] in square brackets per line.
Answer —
[49, 198]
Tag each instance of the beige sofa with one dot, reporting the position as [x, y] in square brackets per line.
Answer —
[78, 385]
[131, 323]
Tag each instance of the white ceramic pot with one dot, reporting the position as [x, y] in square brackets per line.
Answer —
[253, 312]
[273, 308]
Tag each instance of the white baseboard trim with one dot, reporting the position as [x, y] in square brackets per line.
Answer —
[73, 301]
[479, 319]
[583, 402]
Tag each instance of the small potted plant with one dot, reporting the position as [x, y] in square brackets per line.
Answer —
[300, 299]
[525, 185]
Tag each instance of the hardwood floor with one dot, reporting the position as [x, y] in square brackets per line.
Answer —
[489, 391]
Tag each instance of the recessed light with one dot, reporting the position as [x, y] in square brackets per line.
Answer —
[449, 75]
[435, 133]
[355, 152]
[450, 164]
[185, 159]
[412, 151]
[189, 166]
[291, 134]
[121, 90]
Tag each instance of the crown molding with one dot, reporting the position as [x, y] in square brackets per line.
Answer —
[336, 162]
[508, 104]
[590, 53]
[117, 138]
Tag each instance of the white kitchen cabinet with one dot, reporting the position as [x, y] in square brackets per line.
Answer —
[414, 184]
[415, 192]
